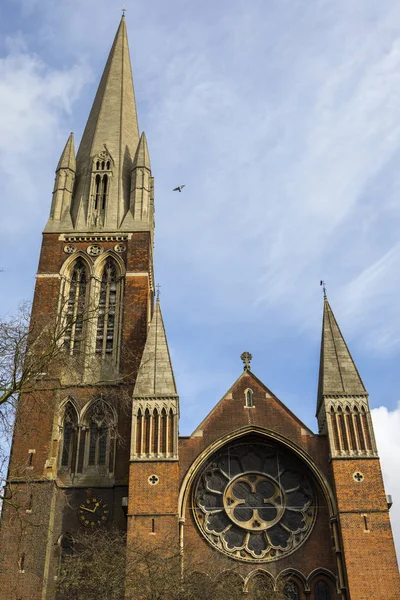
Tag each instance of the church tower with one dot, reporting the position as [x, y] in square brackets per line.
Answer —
[92, 307]
[363, 511]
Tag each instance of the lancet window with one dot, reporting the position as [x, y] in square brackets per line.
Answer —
[69, 438]
[107, 313]
[322, 591]
[76, 303]
[100, 437]
[249, 398]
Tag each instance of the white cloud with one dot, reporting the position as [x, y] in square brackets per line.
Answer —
[387, 428]
[35, 101]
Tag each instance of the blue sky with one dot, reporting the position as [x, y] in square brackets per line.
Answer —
[283, 120]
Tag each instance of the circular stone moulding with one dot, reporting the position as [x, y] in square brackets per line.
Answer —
[94, 250]
[255, 501]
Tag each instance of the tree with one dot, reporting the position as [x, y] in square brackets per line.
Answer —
[100, 560]
[34, 356]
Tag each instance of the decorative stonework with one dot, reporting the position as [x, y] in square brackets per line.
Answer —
[358, 477]
[254, 501]
[95, 250]
[153, 479]
[69, 249]
[120, 247]
[94, 237]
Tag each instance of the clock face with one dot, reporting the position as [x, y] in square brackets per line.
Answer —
[93, 512]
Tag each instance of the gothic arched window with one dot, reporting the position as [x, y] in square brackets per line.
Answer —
[69, 441]
[101, 425]
[322, 591]
[75, 308]
[107, 313]
[249, 398]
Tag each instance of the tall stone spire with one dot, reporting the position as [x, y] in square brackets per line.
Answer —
[108, 144]
[338, 374]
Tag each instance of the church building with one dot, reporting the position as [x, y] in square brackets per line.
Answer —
[96, 441]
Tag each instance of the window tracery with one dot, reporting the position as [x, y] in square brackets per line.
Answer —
[101, 426]
[75, 309]
[254, 501]
[107, 310]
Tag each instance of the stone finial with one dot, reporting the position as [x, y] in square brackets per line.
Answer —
[246, 358]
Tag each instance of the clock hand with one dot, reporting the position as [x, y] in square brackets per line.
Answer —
[92, 510]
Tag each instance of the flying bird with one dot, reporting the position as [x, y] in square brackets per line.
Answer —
[179, 188]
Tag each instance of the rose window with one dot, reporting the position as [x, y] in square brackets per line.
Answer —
[254, 501]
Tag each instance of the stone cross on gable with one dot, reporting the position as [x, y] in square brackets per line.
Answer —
[246, 358]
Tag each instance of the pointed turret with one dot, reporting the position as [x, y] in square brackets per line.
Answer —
[67, 158]
[155, 377]
[142, 157]
[108, 145]
[342, 405]
[155, 410]
[63, 187]
[142, 185]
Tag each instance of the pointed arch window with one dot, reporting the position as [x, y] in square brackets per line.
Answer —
[69, 440]
[76, 303]
[322, 591]
[249, 398]
[107, 319]
[101, 427]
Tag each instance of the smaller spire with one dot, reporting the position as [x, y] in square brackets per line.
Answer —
[142, 156]
[338, 374]
[60, 212]
[67, 158]
[155, 376]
